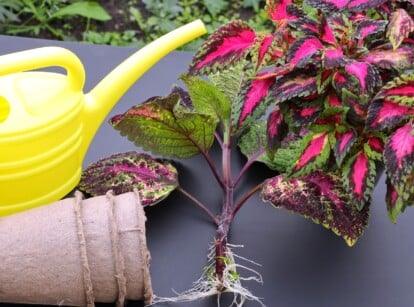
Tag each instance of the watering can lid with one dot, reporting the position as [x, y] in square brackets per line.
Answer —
[34, 100]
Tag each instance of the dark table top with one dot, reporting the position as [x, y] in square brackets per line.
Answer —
[302, 264]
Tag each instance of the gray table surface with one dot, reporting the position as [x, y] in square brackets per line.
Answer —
[302, 264]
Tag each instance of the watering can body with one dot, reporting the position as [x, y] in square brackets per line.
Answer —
[47, 122]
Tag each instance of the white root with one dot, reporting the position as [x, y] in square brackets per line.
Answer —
[209, 285]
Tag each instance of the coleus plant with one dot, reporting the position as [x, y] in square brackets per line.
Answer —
[325, 99]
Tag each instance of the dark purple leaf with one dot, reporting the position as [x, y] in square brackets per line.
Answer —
[227, 45]
[399, 155]
[153, 178]
[320, 197]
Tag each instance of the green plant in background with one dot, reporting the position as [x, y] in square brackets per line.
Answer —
[39, 16]
[8, 9]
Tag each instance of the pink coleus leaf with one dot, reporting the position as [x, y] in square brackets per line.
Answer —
[292, 85]
[400, 90]
[154, 179]
[320, 197]
[366, 74]
[384, 114]
[400, 25]
[369, 27]
[374, 148]
[303, 50]
[399, 155]
[362, 5]
[359, 178]
[343, 144]
[227, 45]
[333, 58]
[314, 154]
[386, 57]
[270, 48]
[327, 34]
[252, 100]
[305, 115]
[276, 129]
[280, 10]
[395, 203]
[329, 5]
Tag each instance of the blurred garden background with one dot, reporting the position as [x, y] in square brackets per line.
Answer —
[121, 22]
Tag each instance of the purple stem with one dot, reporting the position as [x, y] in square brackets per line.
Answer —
[246, 166]
[200, 204]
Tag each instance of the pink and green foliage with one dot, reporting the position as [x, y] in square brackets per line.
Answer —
[153, 178]
[325, 98]
[320, 197]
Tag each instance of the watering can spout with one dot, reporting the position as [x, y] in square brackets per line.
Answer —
[101, 99]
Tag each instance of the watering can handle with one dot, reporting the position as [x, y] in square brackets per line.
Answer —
[45, 57]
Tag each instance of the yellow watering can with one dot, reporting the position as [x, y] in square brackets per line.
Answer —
[47, 122]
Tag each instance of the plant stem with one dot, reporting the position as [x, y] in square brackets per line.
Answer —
[200, 204]
[246, 197]
[249, 162]
[227, 208]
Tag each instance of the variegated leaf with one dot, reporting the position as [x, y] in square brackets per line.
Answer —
[400, 90]
[270, 48]
[359, 178]
[320, 197]
[367, 75]
[383, 114]
[362, 5]
[252, 101]
[374, 148]
[314, 153]
[333, 58]
[293, 86]
[276, 129]
[154, 179]
[369, 27]
[399, 155]
[227, 45]
[303, 116]
[280, 10]
[385, 57]
[328, 5]
[343, 144]
[398, 201]
[302, 50]
[165, 127]
[400, 25]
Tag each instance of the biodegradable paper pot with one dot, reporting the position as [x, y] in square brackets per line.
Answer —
[76, 252]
